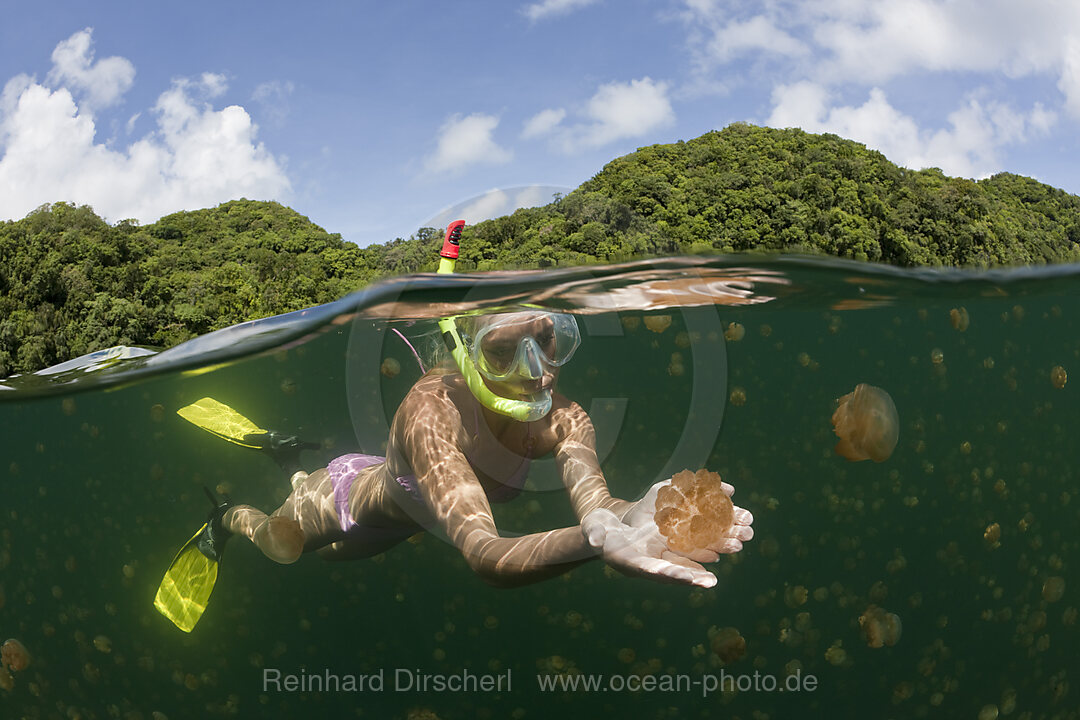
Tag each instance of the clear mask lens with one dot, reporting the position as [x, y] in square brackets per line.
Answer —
[524, 344]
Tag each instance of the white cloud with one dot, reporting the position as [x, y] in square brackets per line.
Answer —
[129, 127]
[902, 36]
[542, 123]
[532, 196]
[969, 146]
[758, 33]
[620, 111]
[100, 83]
[196, 157]
[491, 204]
[213, 84]
[1069, 84]
[551, 8]
[465, 141]
[800, 104]
[495, 203]
[1041, 119]
[811, 52]
[872, 41]
[273, 99]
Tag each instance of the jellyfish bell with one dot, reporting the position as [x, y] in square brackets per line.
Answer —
[693, 513]
[1053, 589]
[727, 644]
[658, 323]
[879, 627]
[867, 424]
[390, 368]
[14, 655]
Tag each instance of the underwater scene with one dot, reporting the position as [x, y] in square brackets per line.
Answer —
[931, 574]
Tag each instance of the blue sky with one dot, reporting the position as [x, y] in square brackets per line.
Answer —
[373, 117]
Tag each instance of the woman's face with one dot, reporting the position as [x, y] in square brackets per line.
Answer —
[517, 350]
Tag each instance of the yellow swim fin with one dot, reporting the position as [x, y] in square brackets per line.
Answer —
[185, 590]
[221, 420]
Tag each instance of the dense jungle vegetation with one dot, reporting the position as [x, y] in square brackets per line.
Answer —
[70, 283]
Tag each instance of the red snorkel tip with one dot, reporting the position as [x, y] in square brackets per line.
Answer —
[453, 238]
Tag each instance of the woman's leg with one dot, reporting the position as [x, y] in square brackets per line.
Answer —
[307, 520]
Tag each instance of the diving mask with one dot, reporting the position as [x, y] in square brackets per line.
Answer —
[521, 345]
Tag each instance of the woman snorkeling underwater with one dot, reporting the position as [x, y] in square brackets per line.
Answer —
[461, 439]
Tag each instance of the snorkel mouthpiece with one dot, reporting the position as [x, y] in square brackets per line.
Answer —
[520, 410]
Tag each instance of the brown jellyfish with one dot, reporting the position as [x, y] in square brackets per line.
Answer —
[693, 513]
[1053, 589]
[880, 627]
[14, 655]
[658, 323]
[959, 319]
[867, 424]
[728, 644]
[390, 368]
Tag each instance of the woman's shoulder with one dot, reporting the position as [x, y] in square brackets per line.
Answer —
[431, 409]
[438, 382]
[436, 393]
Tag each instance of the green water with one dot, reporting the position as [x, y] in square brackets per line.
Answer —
[103, 483]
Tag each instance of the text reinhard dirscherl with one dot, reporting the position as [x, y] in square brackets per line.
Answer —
[399, 680]
[416, 680]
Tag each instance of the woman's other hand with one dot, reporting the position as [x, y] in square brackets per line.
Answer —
[741, 530]
[640, 550]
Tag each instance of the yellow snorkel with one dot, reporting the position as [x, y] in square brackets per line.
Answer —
[520, 410]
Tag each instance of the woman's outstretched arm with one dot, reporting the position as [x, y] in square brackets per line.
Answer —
[461, 510]
[579, 468]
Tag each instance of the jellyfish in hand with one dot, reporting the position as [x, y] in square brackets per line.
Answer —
[693, 513]
[867, 424]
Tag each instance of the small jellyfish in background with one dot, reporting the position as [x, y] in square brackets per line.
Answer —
[658, 323]
[14, 655]
[1059, 377]
[727, 644]
[959, 319]
[390, 368]
[734, 332]
[694, 512]
[867, 424]
[880, 627]
[1053, 589]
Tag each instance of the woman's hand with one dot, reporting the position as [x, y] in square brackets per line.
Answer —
[635, 546]
[731, 542]
[640, 551]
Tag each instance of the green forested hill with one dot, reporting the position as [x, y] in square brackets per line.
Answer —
[752, 188]
[70, 283]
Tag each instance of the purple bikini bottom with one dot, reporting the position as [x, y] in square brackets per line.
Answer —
[343, 471]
